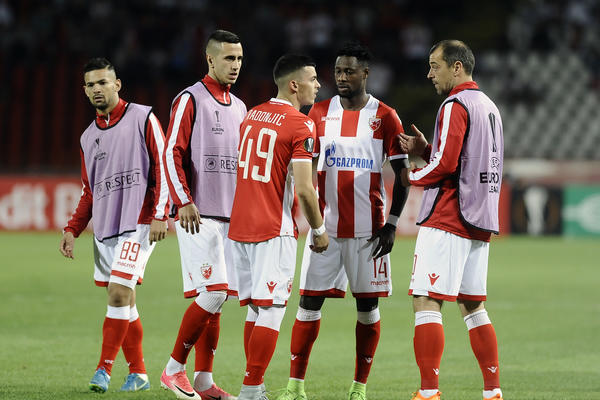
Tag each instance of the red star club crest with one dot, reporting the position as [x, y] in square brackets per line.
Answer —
[206, 270]
[374, 123]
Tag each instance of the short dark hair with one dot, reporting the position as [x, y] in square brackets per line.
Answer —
[98, 63]
[289, 63]
[222, 36]
[456, 50]
[355, 49]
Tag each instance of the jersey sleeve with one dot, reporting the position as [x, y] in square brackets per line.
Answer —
[452, 126]
[155, 142]
[303, 139]
[316, 113]
[392, 128]
[83, 213]
[176, 152]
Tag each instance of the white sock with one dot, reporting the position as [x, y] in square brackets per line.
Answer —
[252, 314]
[203, 380]
[488, 394]
[478, 318]
[211, 301]
[428, 317]
[428, 392]
[117, 312]
[174, 366]
[308, 315]
[133, 314]
[368, 317]
[270, 317]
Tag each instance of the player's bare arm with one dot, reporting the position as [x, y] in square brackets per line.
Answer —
[415, 144]
[158, 230]
[387, 234]
[307, 197]
[66, 244]
[189, 218]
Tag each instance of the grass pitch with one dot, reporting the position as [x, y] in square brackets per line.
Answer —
[542, 298]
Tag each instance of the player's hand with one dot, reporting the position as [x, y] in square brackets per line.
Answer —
[158, 230]
[319, 243]
[386, 236]
[189, 218]
[414, 145]
[66, 244]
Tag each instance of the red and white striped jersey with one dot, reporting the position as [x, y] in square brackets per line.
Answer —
[272, 136]
[352, 147]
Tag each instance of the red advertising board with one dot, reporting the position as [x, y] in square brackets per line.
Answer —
[33, 203]
[46, 203]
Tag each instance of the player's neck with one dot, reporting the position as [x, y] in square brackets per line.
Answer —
[355, 103]
[289, 97]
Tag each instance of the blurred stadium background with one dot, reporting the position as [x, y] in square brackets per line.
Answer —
[538, 59]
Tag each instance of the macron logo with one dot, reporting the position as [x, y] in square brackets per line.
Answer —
[271, 285]
[369, 360]
[433, 277]
[436, 371]
[187, 345]
[493, 369]
[310, 125]
[294, 357]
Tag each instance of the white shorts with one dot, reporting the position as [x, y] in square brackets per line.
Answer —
[206, 259]
[122, 259]
[345, 261]
[265, 270]
[447, 266]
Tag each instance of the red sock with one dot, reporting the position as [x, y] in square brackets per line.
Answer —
[261, 347]
[248, 327]
[367, 338]
[304, 334]
[193, 323]
[429, 346]
[206, 345]
[132, 347]
[485, 347]
[113, 334]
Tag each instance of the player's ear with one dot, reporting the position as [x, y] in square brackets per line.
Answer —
[118, 84]
[293, 85]
[209, 60]
[457, 67]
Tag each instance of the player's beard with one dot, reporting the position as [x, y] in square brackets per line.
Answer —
[102, 106]
[348, 94]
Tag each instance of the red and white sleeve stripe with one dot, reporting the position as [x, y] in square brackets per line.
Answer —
[178, 138]
[155, 141]
[452, 126]
[83, 213]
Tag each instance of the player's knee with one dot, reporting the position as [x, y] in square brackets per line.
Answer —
[119, 295]
[470, 306]
[312, 303]
[211, 301]
[367, 304]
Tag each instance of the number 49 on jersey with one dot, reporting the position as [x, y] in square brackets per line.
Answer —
[247, 148]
